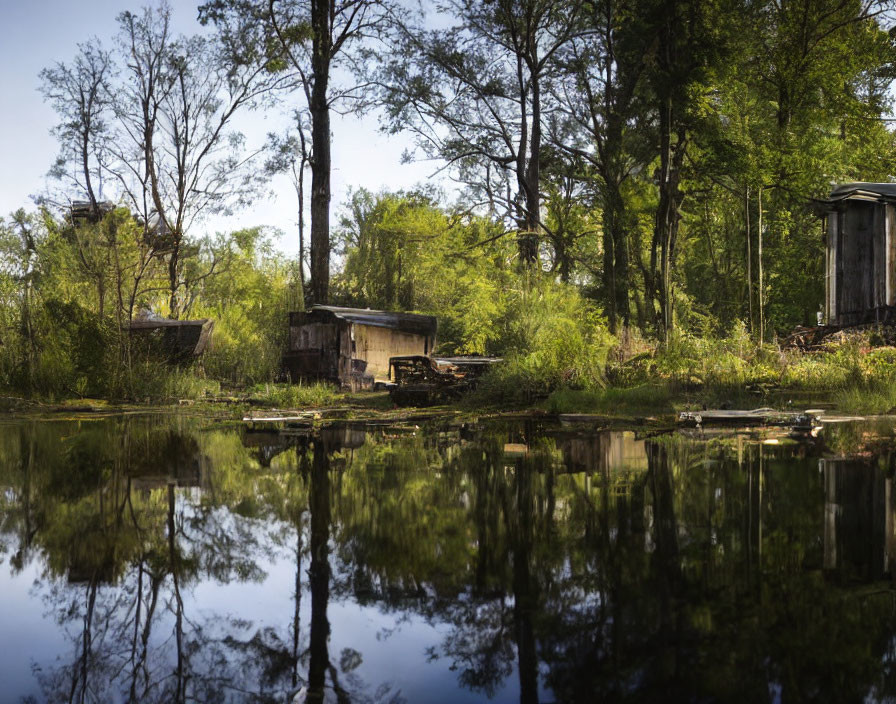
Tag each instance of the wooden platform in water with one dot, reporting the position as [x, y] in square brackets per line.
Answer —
[757, 416]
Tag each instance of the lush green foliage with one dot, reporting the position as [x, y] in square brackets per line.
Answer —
[68, 293]
[402, 251]
[651, 178]
[553, 338]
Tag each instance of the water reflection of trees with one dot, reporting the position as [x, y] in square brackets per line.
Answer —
[692, 573]
[584, 564]
[109, 510]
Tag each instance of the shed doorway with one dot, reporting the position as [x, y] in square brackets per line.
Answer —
[855, 253]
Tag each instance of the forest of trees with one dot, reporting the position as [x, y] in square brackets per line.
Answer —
[620, 169]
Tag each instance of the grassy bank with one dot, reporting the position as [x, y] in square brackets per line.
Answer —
[853, 374]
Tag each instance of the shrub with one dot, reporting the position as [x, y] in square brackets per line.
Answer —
[552, 338]
[243, 350]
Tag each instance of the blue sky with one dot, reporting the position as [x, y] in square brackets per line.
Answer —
[40, 33]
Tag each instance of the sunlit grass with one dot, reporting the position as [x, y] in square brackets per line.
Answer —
[299, 395]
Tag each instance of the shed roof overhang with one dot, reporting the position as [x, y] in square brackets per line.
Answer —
[873, 192]
[405, 322]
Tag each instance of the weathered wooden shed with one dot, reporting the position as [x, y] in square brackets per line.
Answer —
[860, 253]
[174, 340]
[339, 344]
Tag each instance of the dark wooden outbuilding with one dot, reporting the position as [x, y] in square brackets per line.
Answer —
[174, 340]
[860, 253]
[350, 345]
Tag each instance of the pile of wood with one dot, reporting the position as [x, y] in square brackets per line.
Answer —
[805, 339]
[420, 380]
[813, 339]
[798, 420]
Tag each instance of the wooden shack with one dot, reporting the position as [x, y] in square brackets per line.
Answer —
[860, 253]
[341, 345]
[173, 340]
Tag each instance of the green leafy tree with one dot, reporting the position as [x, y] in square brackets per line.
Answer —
[476, 95]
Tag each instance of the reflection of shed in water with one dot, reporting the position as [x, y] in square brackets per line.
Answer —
[609, 452]
[858, 518]
[339, 344]
[267, 443]
[614, 464]
[174, 459]
[343, 436]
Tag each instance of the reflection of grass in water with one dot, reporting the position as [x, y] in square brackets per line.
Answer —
[877, 397]
[647, 398]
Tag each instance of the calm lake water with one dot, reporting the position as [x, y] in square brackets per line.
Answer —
[164, 559]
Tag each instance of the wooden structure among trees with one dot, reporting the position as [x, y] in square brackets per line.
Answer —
[860, 253]
[174, 340]
[344, 345]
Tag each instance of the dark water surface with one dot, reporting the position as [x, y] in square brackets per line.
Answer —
[164, 559]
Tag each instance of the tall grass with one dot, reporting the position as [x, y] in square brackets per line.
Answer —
[854, 375]
[296, 395]
[157, 382]
[646, 399]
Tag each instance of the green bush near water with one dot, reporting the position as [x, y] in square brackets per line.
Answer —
[553, 338]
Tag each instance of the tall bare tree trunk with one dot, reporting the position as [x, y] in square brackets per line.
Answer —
[749, 255]
[173, 261]
[528, 173]
[320, 152]
[300, 193]
[667, 213]
[759, 253]
[616, 278]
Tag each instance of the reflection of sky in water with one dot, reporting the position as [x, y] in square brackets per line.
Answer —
[29, 636]
[394, 654]
[652, 564]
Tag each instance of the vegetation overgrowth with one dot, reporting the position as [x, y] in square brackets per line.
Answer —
[558, 352]
[854, 374]
[632, 230]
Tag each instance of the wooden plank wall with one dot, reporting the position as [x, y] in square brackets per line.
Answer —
[313, 336]
[855, 257]
[830, 278]
[860, 262]
[376, 345]
[879, 257]
[890, 239]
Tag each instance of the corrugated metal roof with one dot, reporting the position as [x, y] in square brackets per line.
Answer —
[406, 322]
[885, 191]
[147, 320]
